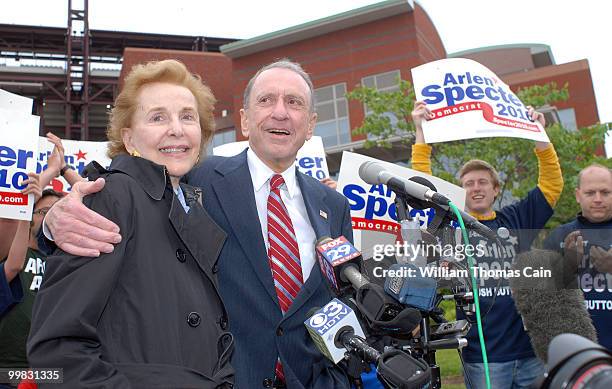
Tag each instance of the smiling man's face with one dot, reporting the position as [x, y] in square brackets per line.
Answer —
[480, 192]
[278, 118]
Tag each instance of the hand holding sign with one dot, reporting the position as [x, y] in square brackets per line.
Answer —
[420, 113]
[32, 186]
[467, 101]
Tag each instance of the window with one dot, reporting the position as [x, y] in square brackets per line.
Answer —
[383, 82]
[332, 115]
[221, 138]
[568, 118]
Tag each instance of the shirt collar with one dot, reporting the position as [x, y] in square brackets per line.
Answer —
[261, 173]
[586, 221]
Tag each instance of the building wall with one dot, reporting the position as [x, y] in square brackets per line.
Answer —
[214, 68]
[504, 60]
[343, 56]
[430, 46]
[578, 77]
[398, 42]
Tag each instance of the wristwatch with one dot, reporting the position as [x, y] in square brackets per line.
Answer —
[64, 169]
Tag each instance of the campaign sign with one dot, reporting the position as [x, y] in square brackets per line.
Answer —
[373, 211]
[77, 155]
[18, 149]
[467, 101]
[15, 103]
[324, 325]
[310, 159]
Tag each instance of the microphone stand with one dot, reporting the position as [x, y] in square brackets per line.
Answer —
[412, 234]
[410, 230]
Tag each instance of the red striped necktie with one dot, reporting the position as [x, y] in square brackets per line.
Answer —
[283, 253]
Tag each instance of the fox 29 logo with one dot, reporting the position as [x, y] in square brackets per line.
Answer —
[328, 316]
[338, 251]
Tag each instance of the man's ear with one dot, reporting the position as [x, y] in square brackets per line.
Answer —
[496, 190]
[312, 122]
[244, 123]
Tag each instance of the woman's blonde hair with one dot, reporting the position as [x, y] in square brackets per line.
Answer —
[170, 71]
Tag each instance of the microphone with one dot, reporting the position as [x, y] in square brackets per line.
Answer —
[374, 173]
[410, 287]
[334, 325]
[447, 344]
[469, 221]
[339, 261]
[335, 330]
[550, 305]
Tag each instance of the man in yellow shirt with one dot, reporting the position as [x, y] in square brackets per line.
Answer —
[512, 362]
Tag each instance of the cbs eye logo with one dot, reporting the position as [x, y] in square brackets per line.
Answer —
[329, 311]
[318, 320]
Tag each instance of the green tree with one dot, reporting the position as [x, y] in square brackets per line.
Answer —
[514, 158]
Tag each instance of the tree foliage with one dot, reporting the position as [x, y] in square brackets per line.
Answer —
[390, 120]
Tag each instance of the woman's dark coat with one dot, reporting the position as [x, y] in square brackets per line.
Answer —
[147, 315]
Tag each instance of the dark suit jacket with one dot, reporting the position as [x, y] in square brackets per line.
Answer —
[147, 315]
[260, 331]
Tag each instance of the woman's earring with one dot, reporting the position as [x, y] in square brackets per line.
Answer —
[135, 153]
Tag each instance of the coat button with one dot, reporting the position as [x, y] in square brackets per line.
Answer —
[279, 331]
[194, 319]
[223, 323]
[267, 383]
[181, 255]
[215, 269]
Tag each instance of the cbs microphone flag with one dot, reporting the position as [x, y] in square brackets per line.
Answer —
[467, 101]
[310, 158]
[373, 211]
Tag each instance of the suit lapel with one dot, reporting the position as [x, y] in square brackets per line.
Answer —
[199, 233]
[318, 215]
[241, 212]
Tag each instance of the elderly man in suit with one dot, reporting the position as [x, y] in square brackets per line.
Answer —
[273, 216]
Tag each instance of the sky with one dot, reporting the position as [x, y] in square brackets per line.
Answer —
[573, 30]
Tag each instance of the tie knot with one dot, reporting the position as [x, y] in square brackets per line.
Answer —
[276, 181]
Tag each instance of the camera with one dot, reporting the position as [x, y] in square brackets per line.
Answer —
[576, 362]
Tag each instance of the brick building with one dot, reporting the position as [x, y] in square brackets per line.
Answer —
[372, 46]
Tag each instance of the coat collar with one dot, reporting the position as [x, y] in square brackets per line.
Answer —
[153, 178]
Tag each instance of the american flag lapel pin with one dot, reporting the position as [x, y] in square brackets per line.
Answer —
[323, 214]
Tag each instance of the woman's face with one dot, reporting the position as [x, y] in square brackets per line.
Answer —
[165, 128]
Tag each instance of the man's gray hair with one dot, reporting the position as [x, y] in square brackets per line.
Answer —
[281, 64]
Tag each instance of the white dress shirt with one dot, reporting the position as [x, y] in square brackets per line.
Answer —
[294, 202]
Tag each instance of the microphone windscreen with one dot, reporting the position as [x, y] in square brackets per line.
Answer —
[550, 305]
[368, 172]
